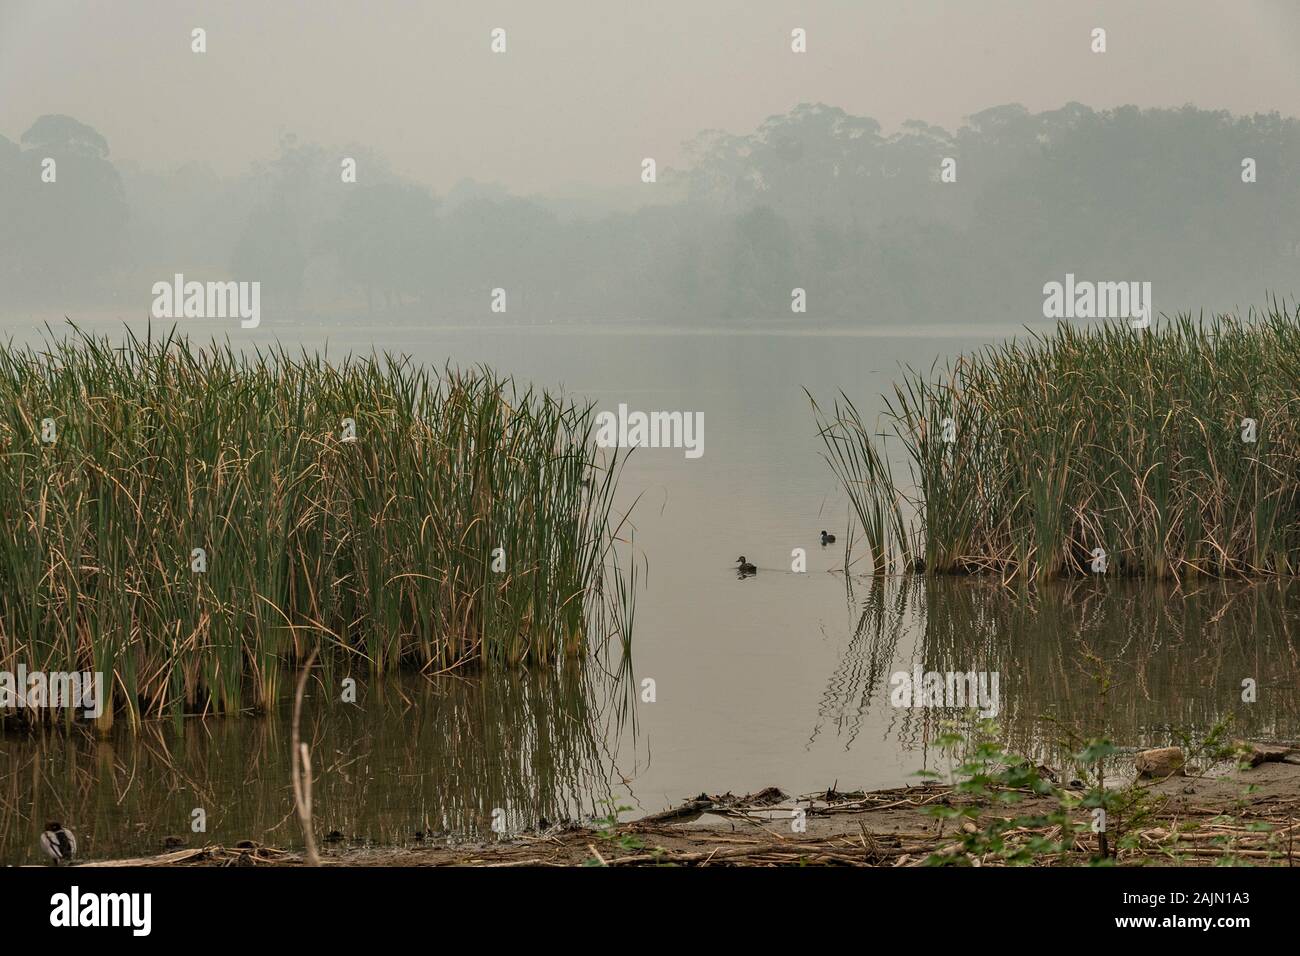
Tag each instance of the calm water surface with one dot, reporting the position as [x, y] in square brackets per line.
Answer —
[781, 679]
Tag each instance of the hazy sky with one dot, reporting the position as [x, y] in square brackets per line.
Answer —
[589, 87]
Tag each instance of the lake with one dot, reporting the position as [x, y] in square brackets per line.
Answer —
[780, 679]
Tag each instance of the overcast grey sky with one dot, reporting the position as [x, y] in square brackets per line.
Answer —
[589, 87]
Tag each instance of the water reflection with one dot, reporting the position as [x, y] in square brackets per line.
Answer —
[413, 756]
[1134, 662]
[1137, 663]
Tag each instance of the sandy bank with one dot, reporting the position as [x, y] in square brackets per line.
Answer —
[1245, 816]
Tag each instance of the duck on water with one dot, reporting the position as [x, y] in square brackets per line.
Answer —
[744, 568]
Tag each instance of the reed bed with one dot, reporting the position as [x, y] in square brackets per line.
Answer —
[1031, 458]
[379, 543]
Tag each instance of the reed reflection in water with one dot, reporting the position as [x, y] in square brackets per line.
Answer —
[412, 756]
[1139, 663]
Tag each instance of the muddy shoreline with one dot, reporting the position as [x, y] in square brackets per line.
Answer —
[1230, 813]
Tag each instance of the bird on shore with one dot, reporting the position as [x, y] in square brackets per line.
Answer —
[59, 844]
[744, 567]
[828, 538]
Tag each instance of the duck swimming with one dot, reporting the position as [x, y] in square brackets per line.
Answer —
[744, 567]
[828, 538]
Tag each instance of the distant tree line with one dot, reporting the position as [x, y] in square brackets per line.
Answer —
[816, 199]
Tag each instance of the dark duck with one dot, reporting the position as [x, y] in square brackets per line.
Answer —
[744, 568]
[828, 538]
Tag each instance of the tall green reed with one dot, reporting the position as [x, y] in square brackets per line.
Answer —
[1026, 457]
[456, 520]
